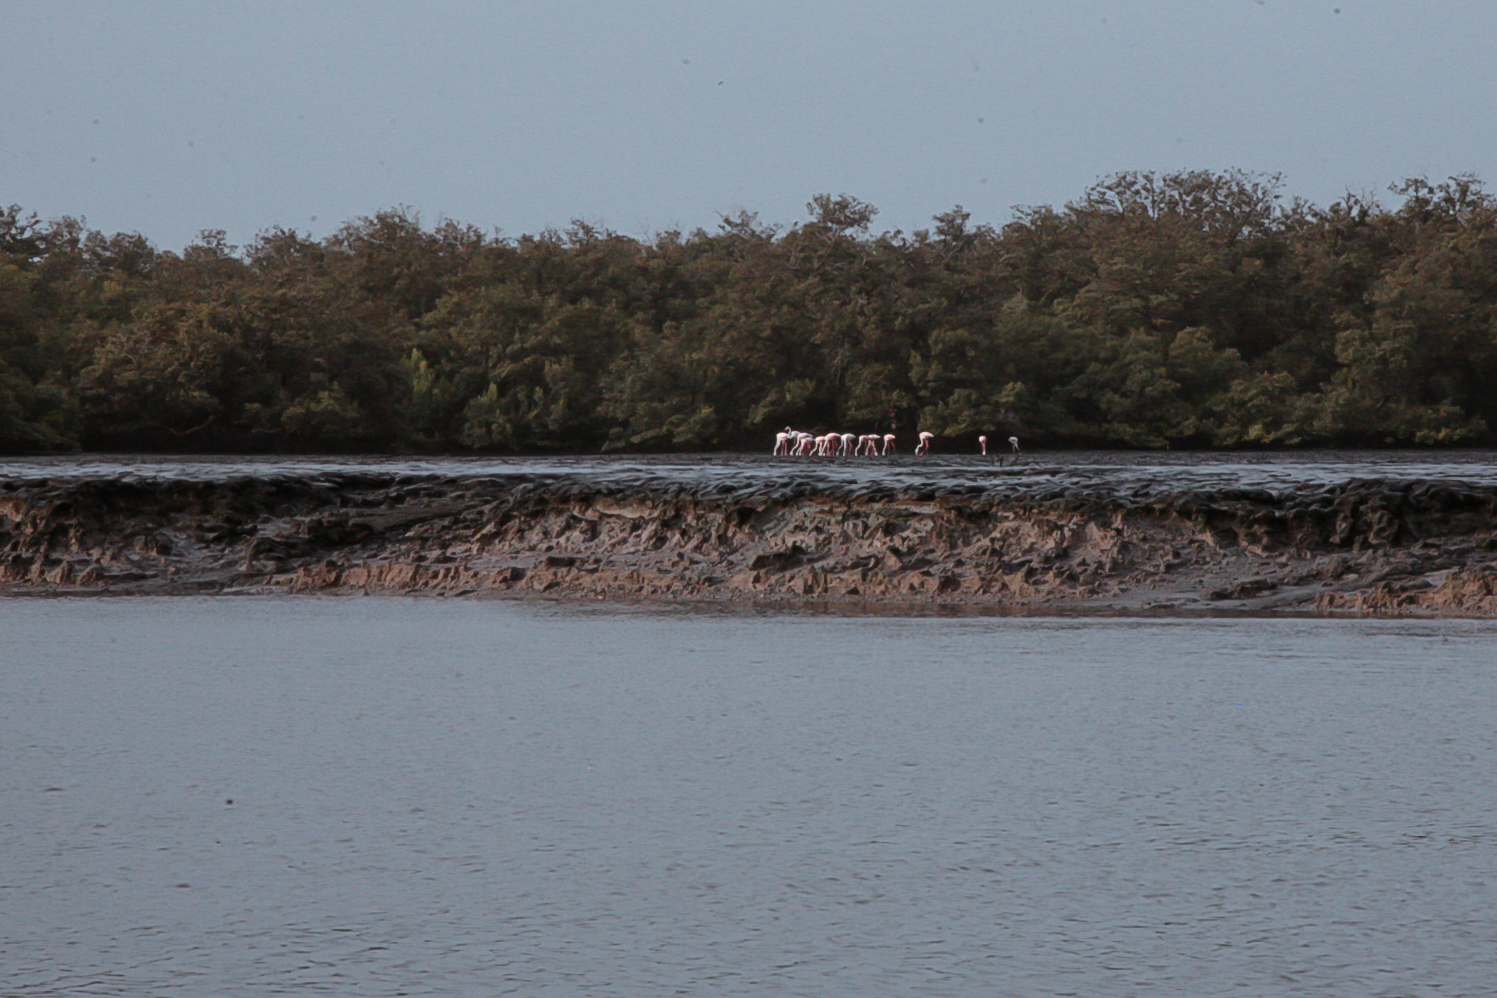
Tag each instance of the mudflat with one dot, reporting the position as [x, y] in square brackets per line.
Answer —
[1037, 536]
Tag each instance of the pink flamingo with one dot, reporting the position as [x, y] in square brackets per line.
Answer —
[889, 447]
[923, 447]
[983, 443]
[848, 440]
[781, 444]
[1014, 443]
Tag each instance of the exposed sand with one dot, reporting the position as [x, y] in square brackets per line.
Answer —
[1383, 547]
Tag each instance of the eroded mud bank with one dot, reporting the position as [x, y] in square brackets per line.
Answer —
[1368, 546]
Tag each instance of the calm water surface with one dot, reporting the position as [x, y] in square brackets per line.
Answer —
[479, 797]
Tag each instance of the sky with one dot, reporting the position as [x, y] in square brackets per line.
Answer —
[171, 118]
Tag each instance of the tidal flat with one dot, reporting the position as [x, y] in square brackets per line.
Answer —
[1389, 533]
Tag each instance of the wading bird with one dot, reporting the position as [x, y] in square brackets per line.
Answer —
[1014, 443]
[923, 447]
[983, 443]
[888, 444]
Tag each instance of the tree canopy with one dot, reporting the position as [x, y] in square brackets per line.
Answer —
[1191, 309]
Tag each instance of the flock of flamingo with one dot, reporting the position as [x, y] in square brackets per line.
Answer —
[798, 443]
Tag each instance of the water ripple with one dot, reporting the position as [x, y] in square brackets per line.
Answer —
[477, 798]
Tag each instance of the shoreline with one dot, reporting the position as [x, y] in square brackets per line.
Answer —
[1379, 547]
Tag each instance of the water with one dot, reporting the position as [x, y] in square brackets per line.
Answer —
[482, 797]
[1133, 471]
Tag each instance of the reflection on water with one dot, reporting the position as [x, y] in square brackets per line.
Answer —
[474, 797]
[1147, 472]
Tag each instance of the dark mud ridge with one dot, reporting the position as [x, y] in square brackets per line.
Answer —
[1362, 546]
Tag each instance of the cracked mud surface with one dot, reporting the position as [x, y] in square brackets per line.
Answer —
[1361, 546]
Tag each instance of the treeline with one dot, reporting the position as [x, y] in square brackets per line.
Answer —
[1193, 309]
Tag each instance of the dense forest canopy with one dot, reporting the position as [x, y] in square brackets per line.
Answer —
[1192, 309]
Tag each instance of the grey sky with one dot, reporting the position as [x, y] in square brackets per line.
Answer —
[168, 118]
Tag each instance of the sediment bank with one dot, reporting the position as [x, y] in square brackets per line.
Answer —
[1369, 546]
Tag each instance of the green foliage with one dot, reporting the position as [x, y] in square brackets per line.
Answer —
[1184, 309]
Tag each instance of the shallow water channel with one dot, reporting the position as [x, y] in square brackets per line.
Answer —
[246, 796]
[1135, 472]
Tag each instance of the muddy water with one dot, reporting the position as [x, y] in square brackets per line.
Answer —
[1136, 472]
[380, 796]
